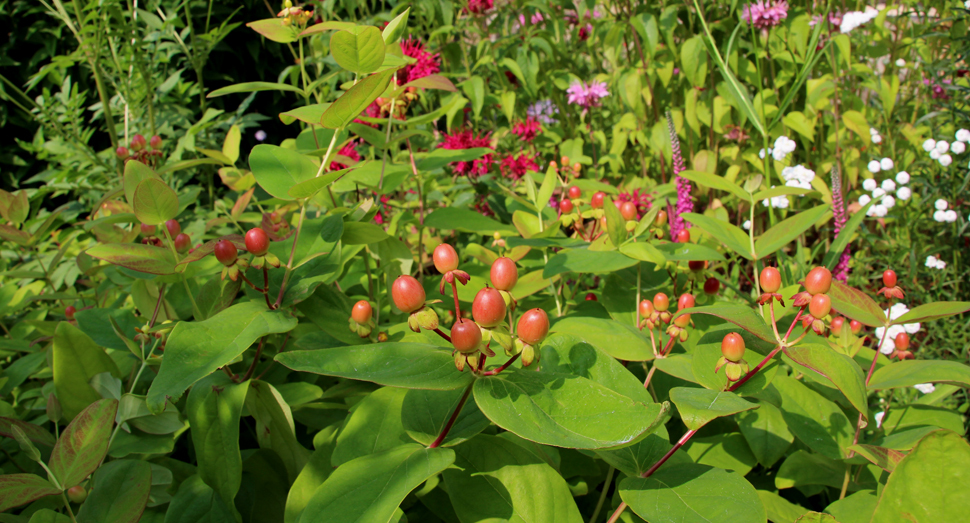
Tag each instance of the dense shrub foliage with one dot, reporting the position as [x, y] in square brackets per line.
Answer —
[456, 262]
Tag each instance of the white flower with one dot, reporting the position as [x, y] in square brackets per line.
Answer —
[958, 147]
[926, 388]
[870, 184]
[931, 261]
[963, 135]
[786, 144]
[886, 164]
[966, 5]
[939, 216]
[873, 131]
[950, 215]
[761, 153]
[779, 154]
[889, 202]
[904, 193]
[877, 193]
[928, 145]
[880, 210]
[864, 200]
[778, 202]
[902, 177]
[940, 204]
[876, 138]
[934, 154]
[902, 63]
[940, 264]
[942, 146]
[888, 185]
[881, 415]
[747, 223]
[874, 166]
[889, 344]
[854, 19]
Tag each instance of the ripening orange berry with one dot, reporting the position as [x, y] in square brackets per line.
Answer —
[732, 347]
[361, 313]
[445, 258]
[407, 293]
[533, 326]
[661, 302]
[889, 278]
[646, 308]
[820, 305]
[818, 281]
[770, 279]
[504, 274]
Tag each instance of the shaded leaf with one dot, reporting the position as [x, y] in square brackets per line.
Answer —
[84, 443]
[693, 493]
[699, 406]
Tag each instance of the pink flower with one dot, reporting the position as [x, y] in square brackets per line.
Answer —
[641, 199]
[765, 14]
[350, 151]
[841, 270]
[371, 111]
[426, 63]
[585, 31]
[466, 139]
[527, 129]
[684, 201]
[516, 167]
[479, 6]
[587, 95]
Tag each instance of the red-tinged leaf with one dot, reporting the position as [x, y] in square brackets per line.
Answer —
[20, 489]
[84, 443]
[882, 457]
[432, 81]
[743, 317]
[136, 256]
[355, 100]
[208, 247]
[242, 203]
[135, 173]
[13, 234]
[933, 311]
[856, 305]
[273, 29]
[838, 368]
[34, 433]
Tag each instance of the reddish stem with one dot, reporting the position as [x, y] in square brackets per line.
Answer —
[792, 326]
[503, 367]
[252, 366]
[443, 335]
[454, 290]
[755, 370]
[651, 470]
[451, 420]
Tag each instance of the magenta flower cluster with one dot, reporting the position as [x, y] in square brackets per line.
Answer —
[684, 201]
[587, 95]
[765, 14]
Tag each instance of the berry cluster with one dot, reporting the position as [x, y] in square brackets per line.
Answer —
[140, 150]
[654, 314]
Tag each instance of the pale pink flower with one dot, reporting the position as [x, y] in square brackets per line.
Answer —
[587, 95]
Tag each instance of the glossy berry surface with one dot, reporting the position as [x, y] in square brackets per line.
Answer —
[466, 335]
[155, 142]
[69, 312]
[591, 297]
[712, 285]
[661, 218]
[855, 327]
[445, 258]
[225, 252]
[77, 494]
[122, 152]
[174, 229]
[362, 311]
[566, 206]
[257, 242]
[889, 278]
[683, 236]
[837, 323]
[820, 305]
[770, 279]
[147, 230]
[685, 301]
[597, 200]
[137, 142]
[628, 210]
[575, 192]
[696, 265]
[682, 321]
[732, 347]
[818, 281]
[902, 341]
[646, 308]
[661, 302]
[488, 308]
[408, 294]
[183, 243]
[504, 274]
[533, 326]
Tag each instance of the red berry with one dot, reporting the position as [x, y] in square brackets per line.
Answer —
[147, 230]
[855, 327]
[818, 281]
[361, 313]
[504, 274]
[174, 229]
[122, 152]
[712, 285]
[566, 206]
[685, 301]
[770, 279]
[182, 243]
[466, 335]
[445, 258]
[820, 305]
[77, 494]
[489, 308]
[575, 192]
[137, 142]
[257, 242]
[661, 302]
[69, 312]
[275, 217]
[889, 278]
[683, 236]
[533, 326]
[682, 321]
[696, 265]
[661, 218]
[591, 297]
[837, 323]
[408, 294]
[597, 200]
[902, 341]
[628, 210]
[646, 308]
[732, 347]
[156, 142]
[226, 252]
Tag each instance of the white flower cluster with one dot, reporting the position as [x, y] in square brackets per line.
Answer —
[889, 344]
[880, 192]
[943, 214]
[778, 202]
[747, 223]
[938, 149]
[854, 19]
[935, 263]
[798, 176]
[783, 147]
[874, 134]
[927, 388]
[902, 63]
[881, 165]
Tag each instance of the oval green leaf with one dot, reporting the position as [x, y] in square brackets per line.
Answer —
[913, 372]
[359, 50]
[699, 406]
[277, 169]
[343, 111]
[154, 202]
[693, 493]
[836, 367]
[783, 233]
[856, 305]
[84, 443]
[612, 337]
[933, 311]
[728, 234]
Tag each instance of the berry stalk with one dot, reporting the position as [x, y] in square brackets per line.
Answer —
[451, 420]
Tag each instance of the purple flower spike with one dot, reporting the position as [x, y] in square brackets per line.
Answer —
[684, 201]
[841, 271]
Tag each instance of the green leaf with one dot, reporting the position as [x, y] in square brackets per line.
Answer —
[331, 25]
[677, 252]
[408, 365]
[644, 251]
[316, 471]
[912, 372]
[586, 261]
[439, 158]
[842, 240]
[310, 114]
[884, 458]
[155, 202]
[567, 354]
[716, 182]
[699, 406]
[83, 444]
[359, 50]
[783, 233]
[817, 422]
[119, 493]
[634, 460]
[545, 191]
[617, 339]
[136, 256]
[77, 359]
[251, 87]
[510, 484]
[779, 509]
[370, 488]
[856, 122]
[729, 235]
[693, 56]
[564, 410]
[360, 233]
[933, 311]
[424, 414]
[742, 316]
[135, 173]
[816, 517]
[275, 429]
[20, 489]
[465, 220]
[855, 508]
[34, 433]
[277, 169]
[692, 493]
[802, 469]
[196, 349]
[784, 190]
[274, 29]
[213, 409]
[195, 502]
[856, 305]
[46, 515]
[14, 207]
[930, 483]
[615, 224]
[396, 28]
[841, 370]
[725, 451]
[374, 426]
[349, 106]
[766, 432]
[310, 187]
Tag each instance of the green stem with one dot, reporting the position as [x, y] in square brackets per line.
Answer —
[67, 505]
[289, 264]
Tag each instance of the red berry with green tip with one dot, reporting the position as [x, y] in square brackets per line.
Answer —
[122, 152]
[174, 229]
[257, 241]
[504, 274]
[445, 258]
[533, 326]
[182, 243]
[137, 142]
[156, 142]
[597, 200]
[889, 278]
[69, 312]
[661, 302]
[362, 311]
[408, 294]
[818, 281]
[466, 335]
[226, 252]
[770, 279]
[732, 347]
[820, 305]
[712, 285]
[488, 308]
